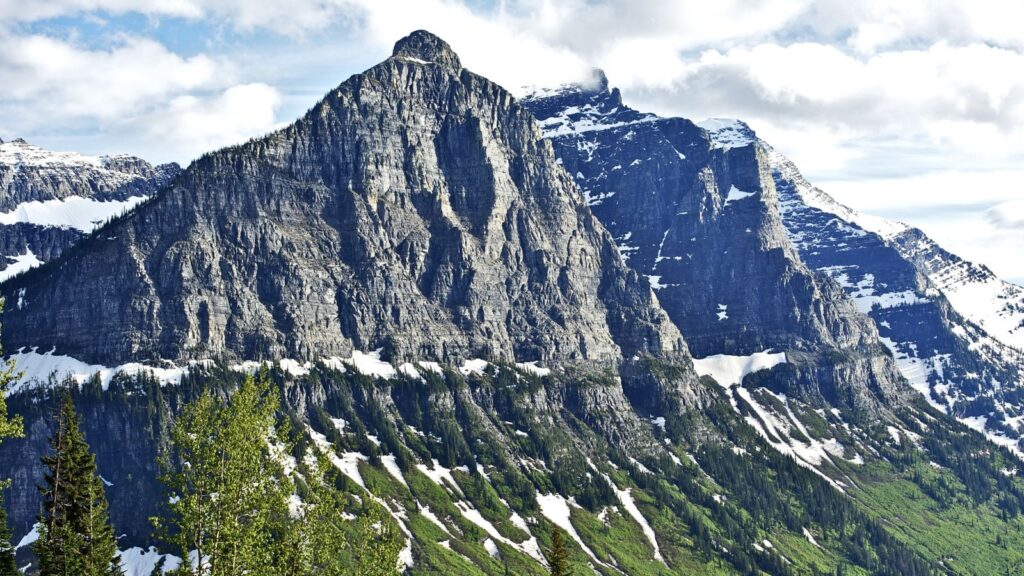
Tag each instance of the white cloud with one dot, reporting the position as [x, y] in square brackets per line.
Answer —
[1009, 214]
[50, 79]
[135, 96]
[194, 125]
[19, 10]
[289, 17]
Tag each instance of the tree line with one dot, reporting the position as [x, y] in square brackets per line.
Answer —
[238, 501]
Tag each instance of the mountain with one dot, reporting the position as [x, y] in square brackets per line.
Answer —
[451, 323]
[50, 200]
[416, 209]
[952, 325]
[695, 210]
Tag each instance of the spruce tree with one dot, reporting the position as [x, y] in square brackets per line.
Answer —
[10, 427]
[558, 557]
[7, 564]
[75, 535]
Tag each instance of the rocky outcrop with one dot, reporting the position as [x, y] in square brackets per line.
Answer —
[31, 174]
[416, 208]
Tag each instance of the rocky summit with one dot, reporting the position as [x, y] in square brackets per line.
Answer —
[416, 208]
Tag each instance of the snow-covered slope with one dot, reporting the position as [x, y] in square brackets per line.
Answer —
[49, 200]
[953, 326]
[693, 209]
[975, 292]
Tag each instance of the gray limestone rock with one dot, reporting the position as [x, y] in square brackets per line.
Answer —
[416, 208]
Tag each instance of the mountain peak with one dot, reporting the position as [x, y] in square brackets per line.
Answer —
[598, 81]
[728, 133]
[427, 47]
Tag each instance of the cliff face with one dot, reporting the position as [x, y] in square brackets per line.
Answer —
[695, 209]
[31, 174]
[416, 209]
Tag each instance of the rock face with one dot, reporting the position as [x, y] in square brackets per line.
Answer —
[416, 208]
[50, 200]
[959, 356]
[694, 208]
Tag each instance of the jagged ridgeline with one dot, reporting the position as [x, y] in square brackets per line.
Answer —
[416, 208]
[527, 377]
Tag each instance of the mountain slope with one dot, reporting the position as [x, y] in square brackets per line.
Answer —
[50, 200]
[695, 210]
[415, 208]
[950, 323]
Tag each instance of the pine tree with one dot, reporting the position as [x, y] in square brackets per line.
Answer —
[558, 557]
[75, 535]
[10, 427]
[7, 564]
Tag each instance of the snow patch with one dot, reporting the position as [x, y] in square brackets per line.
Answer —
[370, 364]
[17, 265]
[38, 369]
[28, 539]
[556, 509]
[83, 214]
[626, 499]
[529, 547]
[138, 562]
[532, 368]
[391, 465]
[474, 366]
[441, 476]
[727, 133]
[735, 195]
[730, 370]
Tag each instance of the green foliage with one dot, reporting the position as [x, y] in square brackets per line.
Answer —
[7, 565]
[378, 544]
[10, 427]
[558, 556]
[75, 536]
[228, 495]
[231, 498]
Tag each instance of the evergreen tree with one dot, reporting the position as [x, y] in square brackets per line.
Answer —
[75, 535]
[7, 565]
[558, 557]
[10, 427]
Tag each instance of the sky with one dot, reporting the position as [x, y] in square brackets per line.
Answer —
[912, 110]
